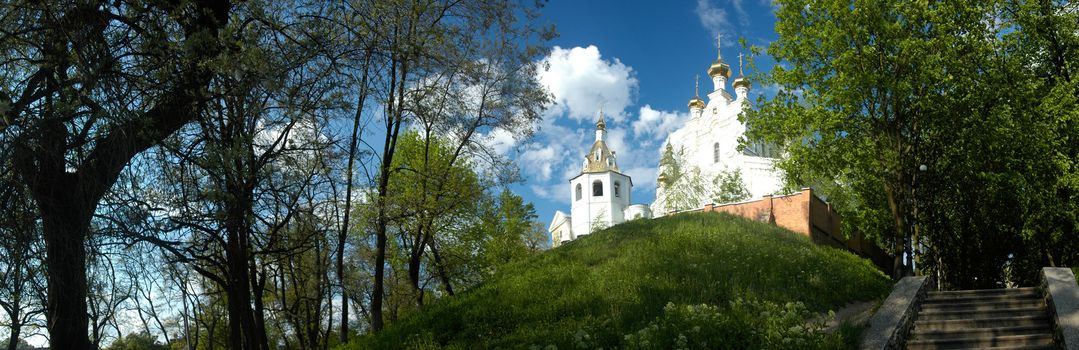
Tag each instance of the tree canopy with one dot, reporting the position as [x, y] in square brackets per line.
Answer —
[980, 95]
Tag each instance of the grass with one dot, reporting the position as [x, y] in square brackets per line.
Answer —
[653, 284]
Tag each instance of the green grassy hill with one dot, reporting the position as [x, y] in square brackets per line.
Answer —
[690, 281]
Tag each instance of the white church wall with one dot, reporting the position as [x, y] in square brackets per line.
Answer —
[638, 211]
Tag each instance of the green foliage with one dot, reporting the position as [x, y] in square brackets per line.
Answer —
[20, 345]
[672, 166]
[137, 341]
[596, 290]
[685, 187]
[507, 231]
[729, 187]
[739, 324]
[981, 93]
[435, 195]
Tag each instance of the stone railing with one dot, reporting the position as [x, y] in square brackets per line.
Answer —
[1062, 297]
[891, 323]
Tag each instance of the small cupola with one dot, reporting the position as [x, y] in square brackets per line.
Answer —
[719, 71]
[600, 158]
[696, 104]
[741, 84]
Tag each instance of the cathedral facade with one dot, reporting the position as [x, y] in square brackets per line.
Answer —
[708, 143]
[706, 146]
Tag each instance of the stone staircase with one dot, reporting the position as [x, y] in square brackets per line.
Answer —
[1014, 318]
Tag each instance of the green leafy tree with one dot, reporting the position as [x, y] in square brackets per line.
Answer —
[1046, 49]
[87, 86]
[856, 90]
[433, 190]
[870, 94]
[20, 344]
[508, 239]
[729, 187]
[685, 187]
[671, 166]
[459, 69]
[137, 341]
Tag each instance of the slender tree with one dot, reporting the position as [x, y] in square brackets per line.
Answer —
[87, 86]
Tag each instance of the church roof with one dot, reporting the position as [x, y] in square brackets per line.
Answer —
[719, 67]
[696, 101]
[742, 82]
[600, 159]
[559, 218]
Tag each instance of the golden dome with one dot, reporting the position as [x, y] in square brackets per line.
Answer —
[742, 82]
[719, 68]
[696, 102]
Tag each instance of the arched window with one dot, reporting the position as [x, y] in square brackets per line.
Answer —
[597, 188]
[715, 152]
[578, 191]
[617, 189]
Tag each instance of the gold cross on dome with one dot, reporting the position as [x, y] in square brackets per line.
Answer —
[719, 44]
[739, 63]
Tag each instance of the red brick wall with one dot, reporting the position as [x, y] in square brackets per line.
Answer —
[809, 216]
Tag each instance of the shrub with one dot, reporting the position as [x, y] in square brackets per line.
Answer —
[743, 324]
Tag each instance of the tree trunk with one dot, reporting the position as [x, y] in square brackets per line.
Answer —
[343, 336]
[440, 267]
[67, 193]
[415, 257]
[16, 330]
[393, 127]
[900, 240]
[66, 223]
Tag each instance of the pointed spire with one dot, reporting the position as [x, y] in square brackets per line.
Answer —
[719, 46]
[739, 63]
[696, 101]
[719, 68]
[741, 82]
[600, 123]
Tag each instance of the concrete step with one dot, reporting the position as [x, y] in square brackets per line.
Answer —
[978, 314]
[983, 291]
[981, 305]
[921, 334]
[1027, 347]
[995, 322]
[950, 298]
[1044, 339]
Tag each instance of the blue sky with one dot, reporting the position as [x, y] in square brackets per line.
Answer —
[635, 60]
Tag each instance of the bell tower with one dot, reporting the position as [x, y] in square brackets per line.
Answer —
[600, 193]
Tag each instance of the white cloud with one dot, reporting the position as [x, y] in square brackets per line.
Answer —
[743, 19]
[712, 17]
[499, 140]
[540, 161]
[554, 192]
[643, 178]
[582, 83]
[656, 124]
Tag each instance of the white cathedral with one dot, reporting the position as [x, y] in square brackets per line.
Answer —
[600, 194]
